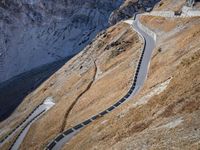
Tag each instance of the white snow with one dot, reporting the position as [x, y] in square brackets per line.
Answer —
[130, 21]
[48, 103]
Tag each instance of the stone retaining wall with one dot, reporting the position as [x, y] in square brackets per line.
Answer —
[163, 13]
[186, 12]
[189, 12]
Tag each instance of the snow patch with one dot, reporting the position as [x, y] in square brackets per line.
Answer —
[130, 21]
[48, 103]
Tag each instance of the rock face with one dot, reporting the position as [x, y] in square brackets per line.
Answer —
[129, 8]
[37, 32]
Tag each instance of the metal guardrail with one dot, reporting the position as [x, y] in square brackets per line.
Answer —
[77, 127]
[2, 140]
[25, 128]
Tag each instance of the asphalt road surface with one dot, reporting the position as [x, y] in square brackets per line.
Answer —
[25, 125]
[138, 80]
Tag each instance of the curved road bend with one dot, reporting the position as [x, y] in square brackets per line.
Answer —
[25, 125]
[34, 113]
[146, 55]
[139, 78]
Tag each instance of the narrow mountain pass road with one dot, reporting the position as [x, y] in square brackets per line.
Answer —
[25, 125]
[138, 80]
[44, 107]
[146, 54]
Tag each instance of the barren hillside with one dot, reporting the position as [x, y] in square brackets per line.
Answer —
[165, 113]
[170, 5]
[107, 65]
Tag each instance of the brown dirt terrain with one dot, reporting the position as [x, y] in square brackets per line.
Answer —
[170, 5]
[165, 113]
[91, 81]
[173, 5]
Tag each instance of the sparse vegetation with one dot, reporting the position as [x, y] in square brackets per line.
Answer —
[159, 49]
[157, 117]
[149, 124]
[112, 79]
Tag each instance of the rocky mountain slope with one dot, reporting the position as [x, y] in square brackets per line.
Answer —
[37, 32]
[129, 8]
[108, 63]
[49, 31]
[163, 115]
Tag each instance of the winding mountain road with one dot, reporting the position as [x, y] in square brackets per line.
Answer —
[138, 80]
[26, 123]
